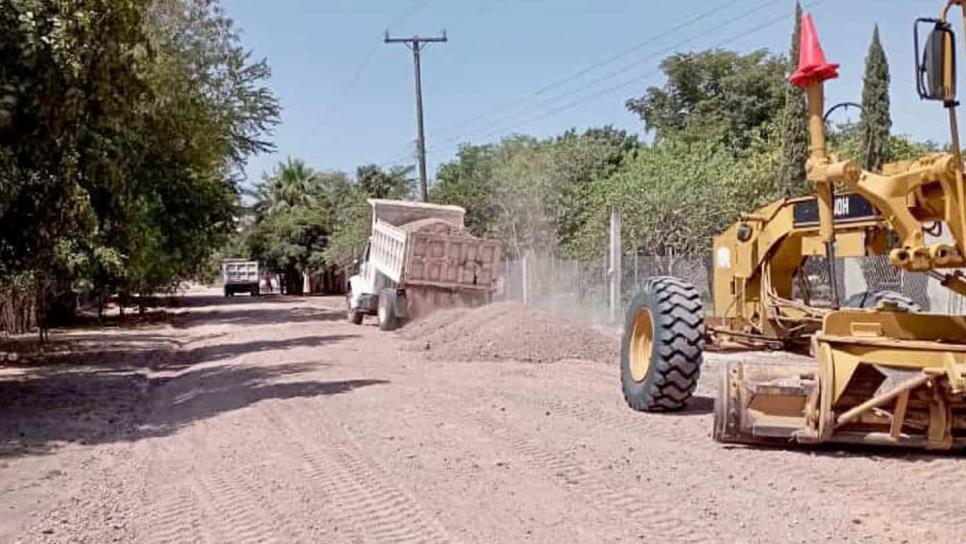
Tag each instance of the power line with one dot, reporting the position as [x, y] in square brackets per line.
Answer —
[616, 87]
[514, 105]
[370, 54]
[614, 73]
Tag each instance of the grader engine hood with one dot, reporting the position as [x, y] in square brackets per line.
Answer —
[846, 208]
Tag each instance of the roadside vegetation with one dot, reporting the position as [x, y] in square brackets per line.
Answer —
[125, 125]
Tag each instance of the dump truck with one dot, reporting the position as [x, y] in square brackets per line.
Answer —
[420, 257]
[871, 369]
[240, 276]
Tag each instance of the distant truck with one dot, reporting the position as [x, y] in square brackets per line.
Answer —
[420, 257]
[240, 276]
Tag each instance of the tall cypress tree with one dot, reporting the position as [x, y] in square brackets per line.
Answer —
[875, 123]
[794, 128]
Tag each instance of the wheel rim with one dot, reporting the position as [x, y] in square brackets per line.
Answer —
[382, 313]
[642, 343]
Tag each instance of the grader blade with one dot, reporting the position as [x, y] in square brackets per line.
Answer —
[762, 403]
[901, 381]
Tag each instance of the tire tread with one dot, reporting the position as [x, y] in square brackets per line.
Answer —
[679, 342]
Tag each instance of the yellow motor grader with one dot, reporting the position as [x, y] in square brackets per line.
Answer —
[883, 372]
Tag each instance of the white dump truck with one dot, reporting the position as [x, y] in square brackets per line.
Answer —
[420, 257]
[240, 276]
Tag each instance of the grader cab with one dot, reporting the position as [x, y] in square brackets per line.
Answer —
[881, 371]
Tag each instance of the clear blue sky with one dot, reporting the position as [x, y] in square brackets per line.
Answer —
[347, 98]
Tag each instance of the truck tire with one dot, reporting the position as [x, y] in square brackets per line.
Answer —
[354, 316]
[871, 299]
[386, 310]
[661, 348]
[255, 292]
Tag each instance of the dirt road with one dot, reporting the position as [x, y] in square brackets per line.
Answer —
[274, 420]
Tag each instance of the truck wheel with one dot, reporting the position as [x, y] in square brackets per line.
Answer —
[662, 344]
[255, 292]
[386, 310]
[870, 299]
[354, 316]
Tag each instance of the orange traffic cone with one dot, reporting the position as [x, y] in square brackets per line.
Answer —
[812, 67]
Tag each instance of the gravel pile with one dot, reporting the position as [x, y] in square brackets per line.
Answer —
[508, 331]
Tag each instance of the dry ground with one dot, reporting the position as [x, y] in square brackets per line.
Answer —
[274, 420]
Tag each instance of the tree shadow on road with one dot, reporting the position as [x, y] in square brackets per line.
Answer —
[207, 392]
[255, 311]
[93, 396]
[215, 352]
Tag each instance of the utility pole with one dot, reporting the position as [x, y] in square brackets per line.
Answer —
[416, 44]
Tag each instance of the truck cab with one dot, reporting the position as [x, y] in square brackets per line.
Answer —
[363, 290]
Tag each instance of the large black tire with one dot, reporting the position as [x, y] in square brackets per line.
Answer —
[386, 310]
[870, 299]
[671, 309]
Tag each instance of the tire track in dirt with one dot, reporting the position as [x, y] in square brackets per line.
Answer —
[251, 476]
[664, 522]
[175, 518]
[240, 516]
[207, 494]
[768, 464]
[616, 499]
[172, 512]
[363, 498]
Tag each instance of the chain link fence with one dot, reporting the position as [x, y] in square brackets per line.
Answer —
[580, 289]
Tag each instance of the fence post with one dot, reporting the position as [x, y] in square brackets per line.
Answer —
[615, 271]
[526, 277]
[637, 268]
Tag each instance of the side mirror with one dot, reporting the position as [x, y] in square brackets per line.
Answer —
[936, 62]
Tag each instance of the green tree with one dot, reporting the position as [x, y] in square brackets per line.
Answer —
[353, 222]
[297, 212]
[576, 160]
[716, 94]
[531, 193]
[397, 183]
[124, 125]
[794, 123]
[675, 196]
[292, 185]
[467, 181]
[353, 215]
[875, 122]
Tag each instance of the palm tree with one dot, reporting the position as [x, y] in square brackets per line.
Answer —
[293, 184]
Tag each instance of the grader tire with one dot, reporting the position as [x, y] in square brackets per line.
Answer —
[662, 345]
[870, 299]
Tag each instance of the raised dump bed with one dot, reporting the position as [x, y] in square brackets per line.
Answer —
[420, 257]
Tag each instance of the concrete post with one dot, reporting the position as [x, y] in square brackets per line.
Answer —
[615, 270]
